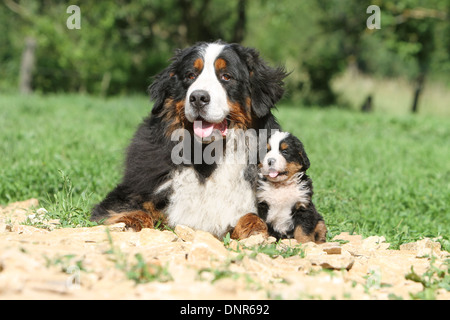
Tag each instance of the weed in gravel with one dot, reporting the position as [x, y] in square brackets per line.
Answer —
[63, 206]
[139, 272]
[433, 279]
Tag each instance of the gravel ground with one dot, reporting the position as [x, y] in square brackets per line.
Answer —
[113, 263]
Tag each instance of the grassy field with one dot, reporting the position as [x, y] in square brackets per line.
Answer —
[373, 174]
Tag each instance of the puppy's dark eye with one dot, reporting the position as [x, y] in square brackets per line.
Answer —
[225, 77]
[191, 76]
[284, 152]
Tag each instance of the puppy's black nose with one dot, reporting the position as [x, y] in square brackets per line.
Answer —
[271, 161]
[199, 99]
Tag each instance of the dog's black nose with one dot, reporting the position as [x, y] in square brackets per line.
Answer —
[199, 99]
[271, 161]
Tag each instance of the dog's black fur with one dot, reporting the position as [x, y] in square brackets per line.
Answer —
[306, 224]
[255, 89]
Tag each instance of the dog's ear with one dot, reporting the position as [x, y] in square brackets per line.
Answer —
[266, 83]
[160, 88]
[304, 157]
[305, 160]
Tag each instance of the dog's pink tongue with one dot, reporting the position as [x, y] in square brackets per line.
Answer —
[204, 129]
[273, 173]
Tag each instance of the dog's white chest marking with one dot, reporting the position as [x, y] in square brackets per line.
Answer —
[214, 205]
[281, 200]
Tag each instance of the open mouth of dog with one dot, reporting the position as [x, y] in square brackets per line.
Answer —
[274, 174]
[204, 129]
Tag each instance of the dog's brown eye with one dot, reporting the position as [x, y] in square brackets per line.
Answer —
[191, 76]
[226, 77]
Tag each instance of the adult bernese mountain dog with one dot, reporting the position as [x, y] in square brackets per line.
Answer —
[285, 192]
[210, 87]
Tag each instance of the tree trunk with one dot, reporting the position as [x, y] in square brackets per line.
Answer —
[27, 66]
[417, 92]
[367, 105]
[239, 27]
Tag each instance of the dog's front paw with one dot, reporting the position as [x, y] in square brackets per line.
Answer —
[249, 225]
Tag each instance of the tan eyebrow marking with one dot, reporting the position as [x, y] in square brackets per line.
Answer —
[220, 64]
[198, 64]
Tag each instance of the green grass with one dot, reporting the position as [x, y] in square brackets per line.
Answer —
[377, 173]
[373, 174]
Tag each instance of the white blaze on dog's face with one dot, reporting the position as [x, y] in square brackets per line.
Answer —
[215, 87]
[206, 102]
[274, 163]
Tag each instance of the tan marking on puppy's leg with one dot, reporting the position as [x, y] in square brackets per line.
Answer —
[319, 235]
[249, 225]
[320, 232]
[301, 236]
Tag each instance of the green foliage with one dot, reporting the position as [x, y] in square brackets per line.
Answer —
[322, 38]
[121, 44]
[143, 272]
[376, 174]
[63, 206]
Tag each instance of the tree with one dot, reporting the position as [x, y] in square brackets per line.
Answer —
[120, 45]
[413, 34]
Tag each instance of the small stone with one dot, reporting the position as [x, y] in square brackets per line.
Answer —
[117, 227]
[149, 236]
[271, 239]
[336, 262]
[375, 243]
[24, 229]
[289, 242]
[331, 248]
[185, 233]
[345, 236]
[206, 247]
[41, 211]
[424, 248]
[18, 212]
[252, 241]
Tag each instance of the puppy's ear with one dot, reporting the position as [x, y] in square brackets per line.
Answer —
[160, 88]
[266, 83]
[304, 161]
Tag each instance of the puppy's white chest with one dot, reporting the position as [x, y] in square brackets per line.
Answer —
[281, 200]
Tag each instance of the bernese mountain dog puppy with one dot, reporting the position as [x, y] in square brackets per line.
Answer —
[284, 191]
[207, 91]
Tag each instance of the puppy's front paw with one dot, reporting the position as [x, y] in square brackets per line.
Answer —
[319, 235]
